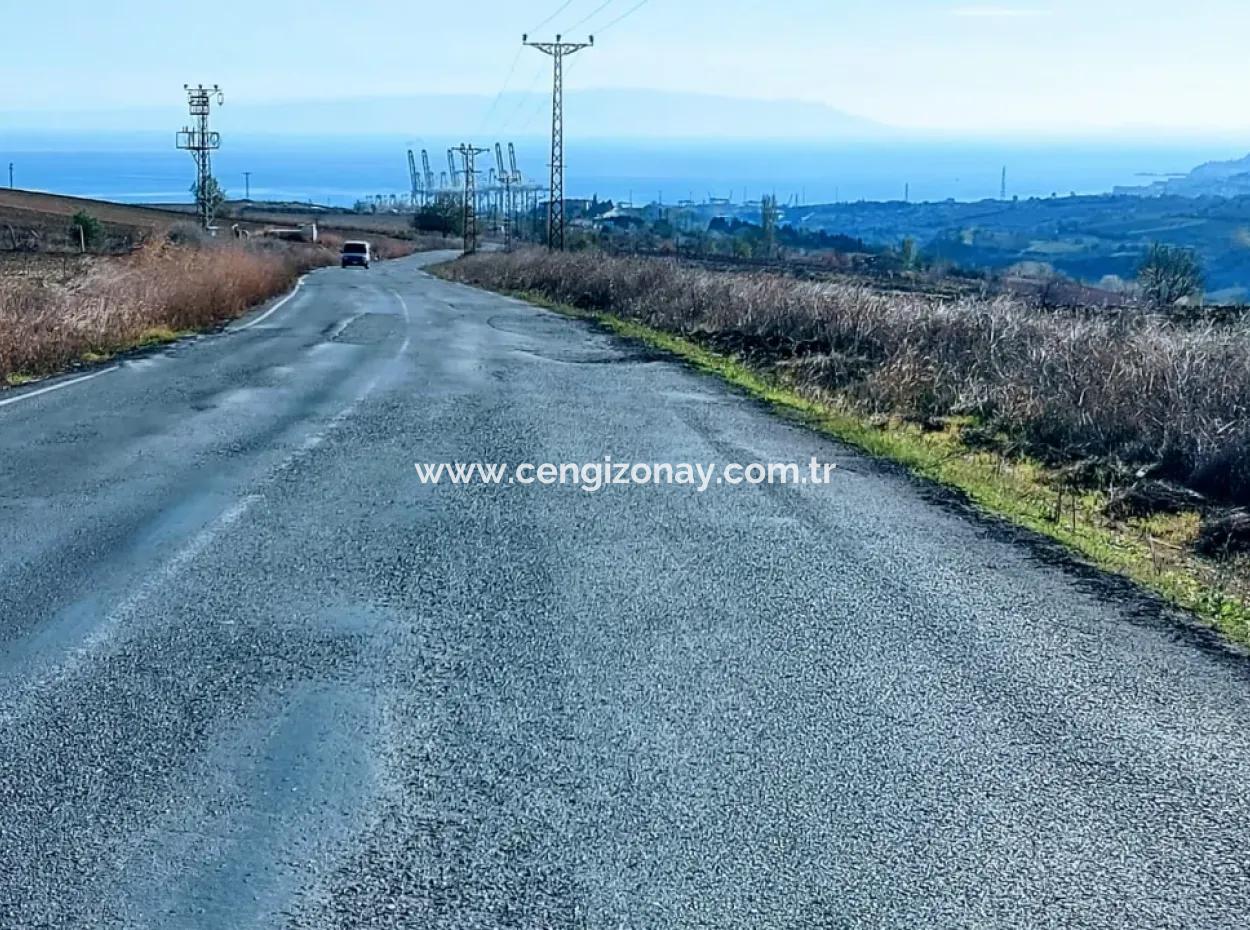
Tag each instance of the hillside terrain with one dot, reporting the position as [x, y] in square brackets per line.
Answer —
[1087, 238]
[606, 113]
[148, 275]
[1213, 179]
[34, 222]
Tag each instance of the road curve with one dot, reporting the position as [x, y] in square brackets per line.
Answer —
[253, 674]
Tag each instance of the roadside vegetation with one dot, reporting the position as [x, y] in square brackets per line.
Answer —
[1165, 276]
[1092, 242]
[81, 280]
[1170, 275]
[153, 295]
[1125, 433]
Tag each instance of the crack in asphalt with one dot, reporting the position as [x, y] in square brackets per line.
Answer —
[256, 675]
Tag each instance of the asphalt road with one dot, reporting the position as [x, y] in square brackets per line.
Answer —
[253, 674]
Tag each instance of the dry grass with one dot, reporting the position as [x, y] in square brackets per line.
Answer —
[162, 290]
[1126, 388]
[831, 392]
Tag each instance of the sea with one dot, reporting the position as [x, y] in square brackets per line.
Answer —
[339, 171]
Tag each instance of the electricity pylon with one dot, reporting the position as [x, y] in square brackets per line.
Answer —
[467, 155]
[201, 143]
[555, 208]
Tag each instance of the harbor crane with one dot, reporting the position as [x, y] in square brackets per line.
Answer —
[529, 191]
[453, 173]
[507, 179]
[418, 185]
[429, 175]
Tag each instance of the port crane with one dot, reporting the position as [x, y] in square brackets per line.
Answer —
[418, 184]
[506, 178]
[453, 173]
[429, 175]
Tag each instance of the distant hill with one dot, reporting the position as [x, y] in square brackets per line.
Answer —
[1093, 239]
[1213, 179]
[636, 114]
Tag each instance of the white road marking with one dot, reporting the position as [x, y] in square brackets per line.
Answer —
[272, 310]
[20, 698]
[407, 319]
[56, 387]
[27, 395]
[23, 696]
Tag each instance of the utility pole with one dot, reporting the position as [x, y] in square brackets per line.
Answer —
[201, 143]
[1002, 194]
[555, 208]
[467, 155]
[10, 175]
[247, 185]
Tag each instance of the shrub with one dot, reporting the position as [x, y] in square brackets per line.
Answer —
[188, 234]
[214, 194]
[45, 327]
[86, 226]
[1170, 274]
[1145, 390]
[445, 217]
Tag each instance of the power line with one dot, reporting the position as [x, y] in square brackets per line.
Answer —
[538, 73]
[563, 6]
[533, 113]
[494, 104]
[468, 153]
[628, 13]
[536, 111]
[555, 205]
[592, 14]
[533, 110]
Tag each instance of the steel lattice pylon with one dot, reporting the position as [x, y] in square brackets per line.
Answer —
[555, 208]
[468, 155]
[201, 143]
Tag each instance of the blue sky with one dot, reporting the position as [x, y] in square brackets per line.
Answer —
[1035, 66]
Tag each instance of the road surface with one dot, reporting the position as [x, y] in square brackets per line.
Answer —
[253, 674]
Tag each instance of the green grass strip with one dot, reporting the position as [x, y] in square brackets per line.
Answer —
[1018, 489]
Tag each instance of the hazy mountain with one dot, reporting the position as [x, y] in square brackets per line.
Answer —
[1211, 179]
[594, 114]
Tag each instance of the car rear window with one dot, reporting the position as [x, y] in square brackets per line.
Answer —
[355, 248]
